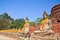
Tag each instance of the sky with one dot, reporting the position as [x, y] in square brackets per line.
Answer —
[32, 9]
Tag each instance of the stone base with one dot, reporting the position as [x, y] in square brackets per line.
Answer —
[43, 36]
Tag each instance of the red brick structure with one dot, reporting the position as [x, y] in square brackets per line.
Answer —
[32, 28]
[55, 17]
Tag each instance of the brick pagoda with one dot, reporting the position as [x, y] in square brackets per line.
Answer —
[55, 17]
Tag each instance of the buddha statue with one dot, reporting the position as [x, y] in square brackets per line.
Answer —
[26, 25]
[46, 23]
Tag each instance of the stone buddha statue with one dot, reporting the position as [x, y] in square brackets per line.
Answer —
[26, 25]
[46, 23]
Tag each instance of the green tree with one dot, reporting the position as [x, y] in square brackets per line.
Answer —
[38, 21]
[3, 24]
[19, 23]
[32, 23]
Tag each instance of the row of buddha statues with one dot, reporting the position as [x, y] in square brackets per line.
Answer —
[46, 24]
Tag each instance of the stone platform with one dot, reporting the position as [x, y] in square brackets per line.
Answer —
[43, 36]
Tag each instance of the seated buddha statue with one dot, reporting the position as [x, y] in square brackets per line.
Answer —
[26, 25]
[46, 23]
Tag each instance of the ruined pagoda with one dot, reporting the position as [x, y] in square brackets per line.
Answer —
[55, 17]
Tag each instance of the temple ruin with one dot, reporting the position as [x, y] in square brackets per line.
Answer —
[55, 17]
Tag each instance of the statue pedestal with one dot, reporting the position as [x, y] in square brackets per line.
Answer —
[42, 35]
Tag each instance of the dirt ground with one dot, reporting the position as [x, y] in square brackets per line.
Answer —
[5, 38]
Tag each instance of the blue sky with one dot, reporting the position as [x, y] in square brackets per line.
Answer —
[27, 8]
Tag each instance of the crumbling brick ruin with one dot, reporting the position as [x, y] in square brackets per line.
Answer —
[55, 17]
